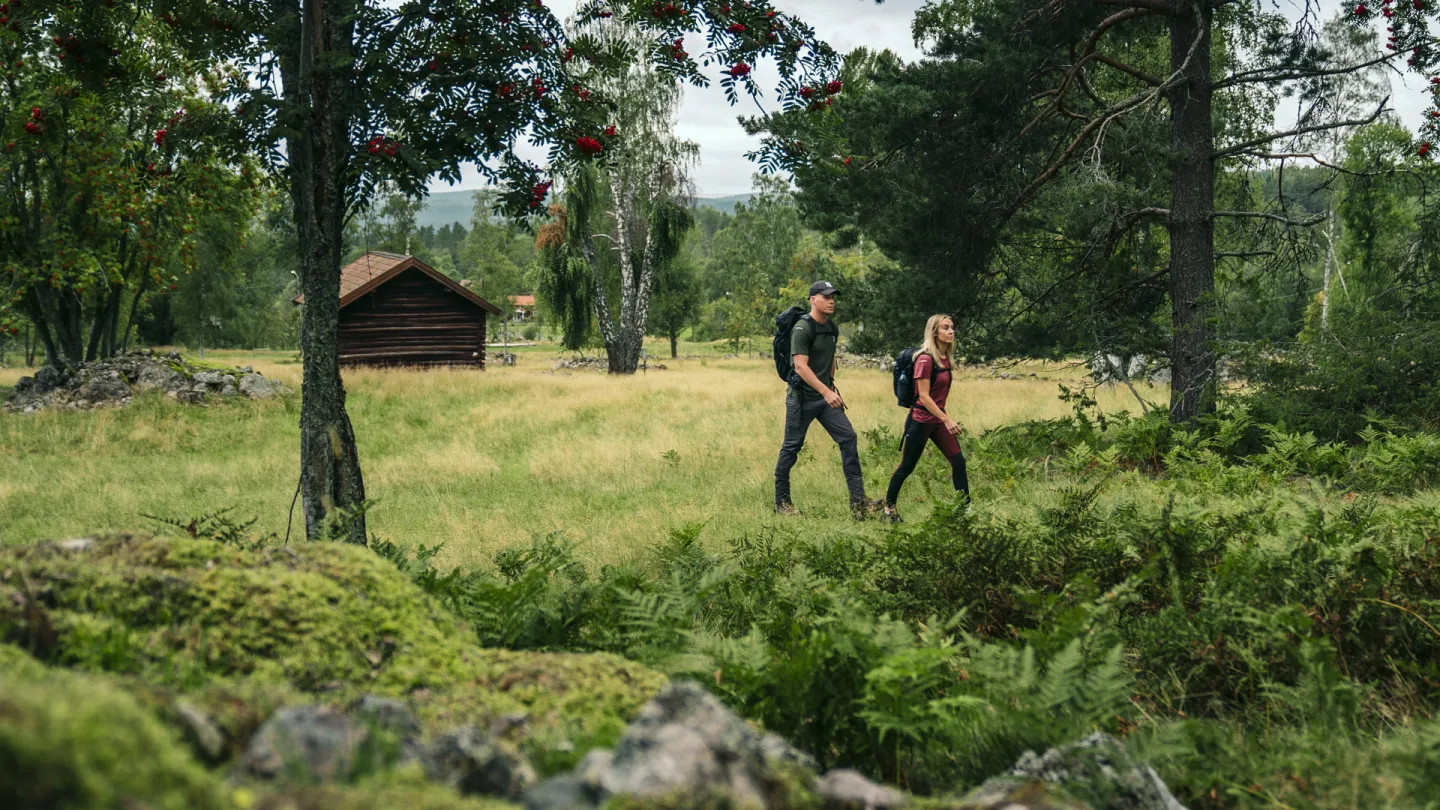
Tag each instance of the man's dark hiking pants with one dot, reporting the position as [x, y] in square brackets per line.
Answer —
[799, 413]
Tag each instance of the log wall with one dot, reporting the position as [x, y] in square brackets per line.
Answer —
[412, 320]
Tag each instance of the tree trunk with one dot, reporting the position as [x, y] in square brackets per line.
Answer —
[674, 341]
[1192, 260]
[330, 479]
[134, 307]
[624, 351]
[49, 321]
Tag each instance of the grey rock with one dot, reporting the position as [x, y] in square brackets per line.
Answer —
[202, 734]
[76, 544]
[1097, 769]
[211, 377]
[48, 378]
[392, 726]
[684, 742]
[566, 792]
[227, 390]
[476, 764]
[255, 386]
[158, 377]
[1160, 377]
[303, 743]
[386, 714]
[1019, 795]
[190, 396]
[848, 790]
[104, 386]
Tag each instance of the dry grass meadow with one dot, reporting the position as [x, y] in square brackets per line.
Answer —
[484, 460]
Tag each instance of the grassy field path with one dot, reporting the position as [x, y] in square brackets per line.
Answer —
[481, 460]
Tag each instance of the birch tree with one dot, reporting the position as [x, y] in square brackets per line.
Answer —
[628, 215]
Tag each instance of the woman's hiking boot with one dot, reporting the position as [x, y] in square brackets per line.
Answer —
[892, 514]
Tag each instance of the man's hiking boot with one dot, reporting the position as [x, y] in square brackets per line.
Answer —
[892, 514]
[863, 508]
[786, 509]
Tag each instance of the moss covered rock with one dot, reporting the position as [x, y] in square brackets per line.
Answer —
[74, 742]
[239, 632]
[366, 796]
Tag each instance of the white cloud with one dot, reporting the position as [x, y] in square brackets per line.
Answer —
[709, 120]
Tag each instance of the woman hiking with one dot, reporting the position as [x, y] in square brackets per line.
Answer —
[927, 420]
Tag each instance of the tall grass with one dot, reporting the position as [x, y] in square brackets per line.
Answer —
[482, 460]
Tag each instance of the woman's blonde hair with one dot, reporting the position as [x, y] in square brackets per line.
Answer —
[931, 344]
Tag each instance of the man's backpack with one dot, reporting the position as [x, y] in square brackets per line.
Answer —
[906, 394]
[780, 350]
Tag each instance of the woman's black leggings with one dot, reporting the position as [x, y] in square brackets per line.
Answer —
[917, 435]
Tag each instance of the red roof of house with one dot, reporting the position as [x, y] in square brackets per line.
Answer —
[523, 300]
[366, 273]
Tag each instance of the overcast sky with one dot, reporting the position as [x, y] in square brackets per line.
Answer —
[709, 120]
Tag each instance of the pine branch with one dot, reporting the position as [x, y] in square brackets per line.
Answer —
[1268, 76]
[1284, 220]
[1265, 139]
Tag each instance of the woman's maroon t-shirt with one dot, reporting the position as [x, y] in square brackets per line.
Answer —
[939, 387]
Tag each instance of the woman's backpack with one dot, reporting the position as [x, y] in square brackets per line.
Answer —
[903, 372]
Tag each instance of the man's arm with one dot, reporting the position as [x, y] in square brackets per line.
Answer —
[802, 367]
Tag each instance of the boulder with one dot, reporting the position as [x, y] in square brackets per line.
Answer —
[304, 744]
[228, 389]
[849, 790]
[106, 385]
[255, 386]
[191, 395]
[212, 378]
[1097, 770]
[199, 731]
[158, 377]
[684, 743]
[475, 763]
[48, 378]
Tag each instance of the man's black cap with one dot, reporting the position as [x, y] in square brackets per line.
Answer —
[822, 288]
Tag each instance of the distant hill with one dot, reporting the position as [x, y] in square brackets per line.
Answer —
[726, 204]
[445, 207]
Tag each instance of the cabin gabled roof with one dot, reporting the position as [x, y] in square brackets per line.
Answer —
[360, 277]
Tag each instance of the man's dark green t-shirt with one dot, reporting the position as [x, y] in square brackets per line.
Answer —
[817, 342]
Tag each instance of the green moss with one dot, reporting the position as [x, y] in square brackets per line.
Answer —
[320, 616]
[76, 742]
[366, 796]
[574, 702]
[234, 630]
[16, 662]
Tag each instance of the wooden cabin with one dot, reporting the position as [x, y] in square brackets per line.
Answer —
[398, 311]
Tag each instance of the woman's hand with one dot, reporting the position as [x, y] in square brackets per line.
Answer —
[952, 426]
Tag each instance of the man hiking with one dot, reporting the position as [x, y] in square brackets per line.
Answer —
[812, 396]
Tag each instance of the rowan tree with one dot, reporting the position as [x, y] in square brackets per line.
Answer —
[103, 183]
[340, 96]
